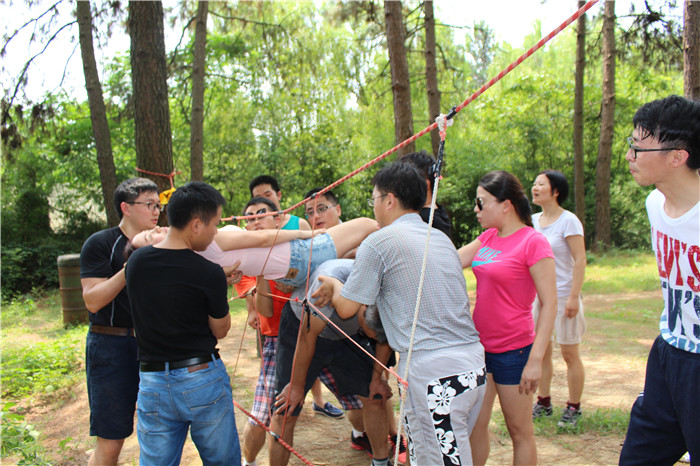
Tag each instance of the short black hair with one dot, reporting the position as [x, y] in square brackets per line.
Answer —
[403, 181]
[424, 163]
[260, 200]
[503, 185]
[196, 199]
[328, 195]
[264, 179]
[129, 190]
[675, 122]
[558, 183]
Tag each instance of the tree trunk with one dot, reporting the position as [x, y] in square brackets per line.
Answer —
[579, 179]
[198, 68]
[691, 49]
[431, 73]
[603, 234]
[154, 147]
[98, 114]
[400, 84]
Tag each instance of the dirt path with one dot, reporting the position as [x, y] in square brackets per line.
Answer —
[613, 380]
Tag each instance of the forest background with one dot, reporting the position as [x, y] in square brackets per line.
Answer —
[303, 91]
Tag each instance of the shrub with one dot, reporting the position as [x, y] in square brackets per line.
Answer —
[26, 267]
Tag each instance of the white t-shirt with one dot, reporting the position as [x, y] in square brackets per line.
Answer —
[676, 243]
[566, 225]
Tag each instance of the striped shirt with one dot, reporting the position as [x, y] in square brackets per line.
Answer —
[387, 272]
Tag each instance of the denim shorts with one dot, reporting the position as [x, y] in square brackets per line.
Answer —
[300, 249]
[112, 383]
[507, 368]
[171, 402]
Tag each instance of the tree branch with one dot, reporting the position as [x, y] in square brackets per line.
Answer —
[12, 36]
[244, 20]
[20, 79]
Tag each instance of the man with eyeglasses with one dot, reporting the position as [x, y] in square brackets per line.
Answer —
[446, 372]
[253, 438]
[268, 324]
[323, 212]
[110, 355]
[664, 151]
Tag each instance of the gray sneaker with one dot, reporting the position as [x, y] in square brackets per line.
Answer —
[569, 417]
[539, 410]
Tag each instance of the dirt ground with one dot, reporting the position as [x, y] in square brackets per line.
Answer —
[612, 381]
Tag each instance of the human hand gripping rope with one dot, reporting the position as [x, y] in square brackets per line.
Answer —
[441, 123]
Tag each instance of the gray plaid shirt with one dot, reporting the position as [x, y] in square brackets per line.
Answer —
[386, 273]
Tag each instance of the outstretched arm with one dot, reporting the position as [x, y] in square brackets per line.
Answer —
[234, 239]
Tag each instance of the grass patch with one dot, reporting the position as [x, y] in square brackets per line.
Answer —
[607, 421]
[42, 368]
[621, 272]
[633, 311]
[45, 363]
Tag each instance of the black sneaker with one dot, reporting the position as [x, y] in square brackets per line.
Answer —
[569, 417]
[539, 410]
[361, 443]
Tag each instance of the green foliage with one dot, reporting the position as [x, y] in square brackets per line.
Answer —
[302, 91]
[41, 369]
[31, 265]
[19, 439]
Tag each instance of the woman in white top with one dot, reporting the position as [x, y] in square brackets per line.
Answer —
[564, 232]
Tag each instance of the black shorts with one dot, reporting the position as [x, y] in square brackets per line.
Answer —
[351, 368]
[112, 384]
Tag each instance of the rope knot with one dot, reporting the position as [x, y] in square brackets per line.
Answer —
[443, 121]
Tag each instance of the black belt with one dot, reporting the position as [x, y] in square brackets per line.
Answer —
[116, 331]
[160, 366]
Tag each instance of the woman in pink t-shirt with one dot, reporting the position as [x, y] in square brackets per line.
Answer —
[512, 263]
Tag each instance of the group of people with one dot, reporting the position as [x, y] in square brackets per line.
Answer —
[345, 315]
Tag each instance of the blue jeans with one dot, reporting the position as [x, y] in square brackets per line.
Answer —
[172, 401]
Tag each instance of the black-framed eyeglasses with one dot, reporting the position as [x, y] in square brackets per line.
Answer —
[636, 149]
[319, 210]
[257, 212]
[370, 201]
[152, 206]
[479, 203]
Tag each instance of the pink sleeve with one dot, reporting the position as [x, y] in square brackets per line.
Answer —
[537, 248]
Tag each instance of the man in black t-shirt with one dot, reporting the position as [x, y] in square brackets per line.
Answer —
[425, 164]
[110, 353]
[180, 309]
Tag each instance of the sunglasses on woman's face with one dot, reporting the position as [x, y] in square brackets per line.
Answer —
[479, 203]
